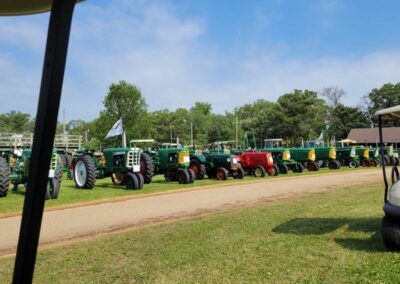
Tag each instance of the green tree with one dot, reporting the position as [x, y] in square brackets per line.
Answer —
[15, 121]
[123, 101]
[386, 96]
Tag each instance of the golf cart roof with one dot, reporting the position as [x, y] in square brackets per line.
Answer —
[348, 141]
[389, 113]
[25, 7]
[143, 141]
[274, 139]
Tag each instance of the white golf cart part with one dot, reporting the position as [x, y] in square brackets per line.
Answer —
[389, 113]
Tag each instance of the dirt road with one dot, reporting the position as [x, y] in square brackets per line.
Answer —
[66, 224]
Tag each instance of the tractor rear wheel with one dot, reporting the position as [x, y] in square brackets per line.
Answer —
[192, 175]
[54, 183]
[84, 172]
[62, 160]
[312, 167]
[118, 178]
[338, 164]
[131, 181]
[259, 171]
[374, 163]
[240, 173]
[4, 177]
[198, 169]
[283, 169]
[146, 167]
[222, 174]
[391, 233]
[386, 160]
[183, 176]
[396, 161]
[140, 180]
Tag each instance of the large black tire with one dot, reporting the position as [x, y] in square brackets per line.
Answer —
[198, 168]
[170, 175]
[259, 171]
[131, 181]
[68, 160]
[84, 172]
[391, 233]
[54, 183]
[183, 176]
[221, 174]
[140, 180]
[192, 175]
[146, 167]
[240, 173]
[118, 178]
[387, 160]
[338, 164]
[62, 160]
[4, 177]
[283, 169]
[397, 161]
[333, 165]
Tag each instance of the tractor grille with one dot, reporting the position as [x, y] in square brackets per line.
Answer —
[53, 162]
[132, 159]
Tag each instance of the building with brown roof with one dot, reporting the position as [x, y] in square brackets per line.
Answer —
[370, 136]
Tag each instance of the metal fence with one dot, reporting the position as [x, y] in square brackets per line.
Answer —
[19, 140]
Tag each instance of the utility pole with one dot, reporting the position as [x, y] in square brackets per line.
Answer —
[64, 122]
[237, 129]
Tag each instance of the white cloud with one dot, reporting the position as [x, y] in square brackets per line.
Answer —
[169, 59]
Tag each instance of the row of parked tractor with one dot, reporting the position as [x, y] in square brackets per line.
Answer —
[135, 165]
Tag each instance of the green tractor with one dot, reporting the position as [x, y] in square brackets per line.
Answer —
[126, 166]
[198, 163]
[223, 165]
[173, 162]
[14, 169]
[347, 156]
[65, 159]
[282, 156]
[363, 154]
[325, 156]
[305, 156]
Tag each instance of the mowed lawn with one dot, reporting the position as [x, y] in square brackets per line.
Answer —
[327, 237]
[104, 189]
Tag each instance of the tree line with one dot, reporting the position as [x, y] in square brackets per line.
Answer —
[295, 116]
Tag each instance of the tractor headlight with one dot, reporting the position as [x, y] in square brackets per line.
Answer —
[270, 159]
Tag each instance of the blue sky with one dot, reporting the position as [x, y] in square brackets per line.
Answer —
[224, 52]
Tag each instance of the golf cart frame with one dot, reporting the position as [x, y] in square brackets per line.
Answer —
[391, 208]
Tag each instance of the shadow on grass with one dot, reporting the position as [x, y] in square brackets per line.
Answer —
[320, 226]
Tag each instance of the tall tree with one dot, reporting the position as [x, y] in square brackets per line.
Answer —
[386, 96]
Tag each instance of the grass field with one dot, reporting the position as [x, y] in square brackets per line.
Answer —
[328, 237]
[105, 190]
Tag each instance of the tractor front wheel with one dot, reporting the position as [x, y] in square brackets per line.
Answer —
[333, 165]
[222, 174]
[183, 176]
[240, 173]
[84, 172]
[4, 177]
[141, 181]
[374, 163]
[391, 233]
[131, 181]
[274, 171]
[192, 175]
[170, 175]
[299, 168]
[259, 171]
[54, 183]
[117, 178]
[283, 169]
[353, 164]
[366, 164]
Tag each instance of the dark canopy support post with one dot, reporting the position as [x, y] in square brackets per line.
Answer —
[382, 157]
[45, 127]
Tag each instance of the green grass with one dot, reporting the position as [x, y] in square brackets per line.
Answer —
[104, 190]
[328, 237]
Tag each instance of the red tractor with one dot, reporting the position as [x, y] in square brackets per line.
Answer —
[258, 164]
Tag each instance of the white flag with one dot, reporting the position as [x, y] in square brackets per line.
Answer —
[116, 130]
[321, 136]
